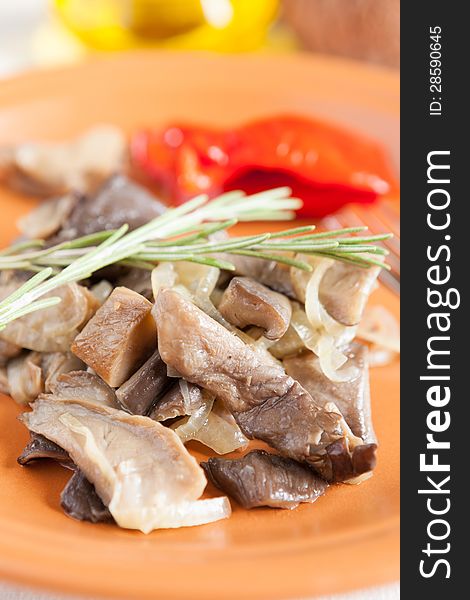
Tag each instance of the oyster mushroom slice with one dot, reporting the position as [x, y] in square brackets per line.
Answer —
[263, 479]
[117, 202]
[139, 468]
[247, 302]
[52, 329]
[118, 339]
[80, 501]
[351, 397]
[53, 168]
[48, 217]
[40, 447]
[84, 386]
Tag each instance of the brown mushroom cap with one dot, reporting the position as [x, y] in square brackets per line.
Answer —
[247, 302]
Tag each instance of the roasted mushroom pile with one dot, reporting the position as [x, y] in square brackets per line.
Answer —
[133, 364]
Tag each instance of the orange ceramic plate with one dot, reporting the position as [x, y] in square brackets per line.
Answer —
[349, 538]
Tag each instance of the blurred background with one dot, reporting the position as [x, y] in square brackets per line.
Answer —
[45, 33]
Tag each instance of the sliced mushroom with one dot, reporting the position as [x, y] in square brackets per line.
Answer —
[82, 385]
[139, 468]
[117, 202]
[266, 403]
[80, 501]
[351, 397]
[55, 364]
[52, 329]
[7, 351]
[268, 272]
[345, 289]
[247, 302]
[25, 379]
[119, 338]
[48, 217]
[262, 479]
[45, 169]
[181, 399]
[139, 392]
[41, 447]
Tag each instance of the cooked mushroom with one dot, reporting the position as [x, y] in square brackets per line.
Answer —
[7, 351]
[263, 479]
[247, 302]
[139, 392]
[181, 399]
[48, 217]
[82, 385]
[270, 273]
[55, 364]
[45, 169]
[345, 289]
[139, 468]
[119, 338]
[119, 201]
[351, 397]
[54, 328]
[267, 404]
[79, 498]
[25, 379]
[41, 447]
[138, 280]
[80, 501]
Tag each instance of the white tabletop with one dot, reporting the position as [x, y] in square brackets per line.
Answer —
[389, 592]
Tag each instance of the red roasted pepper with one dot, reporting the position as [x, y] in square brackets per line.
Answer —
[326, 166]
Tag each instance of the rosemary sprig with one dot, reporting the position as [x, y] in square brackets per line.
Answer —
[181, 233]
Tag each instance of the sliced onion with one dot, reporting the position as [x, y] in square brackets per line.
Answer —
[187, 402]
[323, 345]
[312, 292]
[102, 290]
[219, 432]
[190, 427]
[199, 279]
[163, 276]
[320, 333]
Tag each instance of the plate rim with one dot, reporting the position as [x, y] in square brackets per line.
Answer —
[387, 86]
